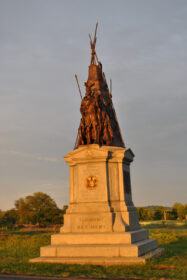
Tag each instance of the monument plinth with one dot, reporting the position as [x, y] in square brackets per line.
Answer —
[100, 190]
[101, 223]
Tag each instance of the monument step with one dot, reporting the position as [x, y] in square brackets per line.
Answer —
[116, 250]
[101, 260]
[99, 238]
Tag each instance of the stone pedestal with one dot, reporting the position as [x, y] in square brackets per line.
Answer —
[101, 223]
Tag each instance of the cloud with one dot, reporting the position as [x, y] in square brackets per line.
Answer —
[32, 156]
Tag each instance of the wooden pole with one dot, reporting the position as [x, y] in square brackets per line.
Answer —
[95, 33]
[111, 86]
[78, 86]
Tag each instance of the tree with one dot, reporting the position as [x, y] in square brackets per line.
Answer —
[172, 214]
[142, 213]
[180, 209]
[185, 209]
[9, 218]
[145, 213]
[150, 214]
[38, 208]
[1, 214]
[159, 213]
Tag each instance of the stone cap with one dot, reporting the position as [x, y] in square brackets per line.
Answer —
[94, 152]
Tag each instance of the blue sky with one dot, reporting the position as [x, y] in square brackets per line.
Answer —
[142, 46]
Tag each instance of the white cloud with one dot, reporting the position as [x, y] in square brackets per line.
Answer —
[32, 156]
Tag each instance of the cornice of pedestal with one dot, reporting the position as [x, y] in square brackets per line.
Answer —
[94, 152]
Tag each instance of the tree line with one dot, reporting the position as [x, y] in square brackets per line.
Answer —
[177, 212]
[37, 209]
[40, 209]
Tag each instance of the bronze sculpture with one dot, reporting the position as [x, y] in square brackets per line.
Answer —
[99, 124]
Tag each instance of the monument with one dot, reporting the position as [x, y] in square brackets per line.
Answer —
[101, 223]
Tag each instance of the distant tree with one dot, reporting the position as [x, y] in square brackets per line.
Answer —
[25, 212]
[1, 214]
[142, 212]
[9, 218]
[185, 209]
[150, 214]
[145, 213]
[172, 214]
[159, 213]
[180, 209]
[38, 208]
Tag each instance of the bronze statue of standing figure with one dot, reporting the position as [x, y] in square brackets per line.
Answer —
[99, 124]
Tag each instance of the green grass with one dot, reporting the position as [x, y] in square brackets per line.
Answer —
[17, 248]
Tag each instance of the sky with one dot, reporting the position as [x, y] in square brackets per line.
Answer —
[142, 46]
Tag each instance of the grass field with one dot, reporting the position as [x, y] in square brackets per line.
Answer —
[17, 248]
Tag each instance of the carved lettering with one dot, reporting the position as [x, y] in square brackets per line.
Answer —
[90, 223]
[91, 226]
